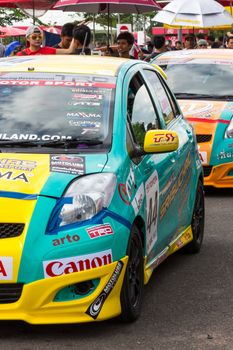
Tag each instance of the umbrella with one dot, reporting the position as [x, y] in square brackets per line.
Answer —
[32, 8]
[11, 31]
[195, 13]
[108, 6]
[226, 3]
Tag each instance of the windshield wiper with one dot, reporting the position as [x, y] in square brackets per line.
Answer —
[208, 96]
[54, 143]
[18, 143]
[191, 95]
[70, 143]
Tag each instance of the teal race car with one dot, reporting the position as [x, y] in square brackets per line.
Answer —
[100, 181]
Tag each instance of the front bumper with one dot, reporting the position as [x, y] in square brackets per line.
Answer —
[220, 176]
[36, 304]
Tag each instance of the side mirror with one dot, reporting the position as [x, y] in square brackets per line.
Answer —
[159, 141]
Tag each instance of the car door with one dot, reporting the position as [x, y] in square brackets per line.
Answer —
[153, 170]
[175, 192]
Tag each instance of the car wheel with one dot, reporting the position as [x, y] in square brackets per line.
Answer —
[133, 285]
[197, 223]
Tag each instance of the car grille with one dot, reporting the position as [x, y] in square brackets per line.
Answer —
[10, 292]
[203, 138]
[207, 170]
[10, 230]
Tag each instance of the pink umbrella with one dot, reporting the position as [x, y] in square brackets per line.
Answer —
[226, 3]
[11, 31]
[108, 6]
[33, 8]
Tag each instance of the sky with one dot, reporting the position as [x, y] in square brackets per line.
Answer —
[53, 17]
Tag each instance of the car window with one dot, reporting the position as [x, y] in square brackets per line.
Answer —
[50, 107]
[200, 79]
[141, 110]
[167, 104]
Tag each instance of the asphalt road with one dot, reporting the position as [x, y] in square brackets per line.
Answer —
[188, 302]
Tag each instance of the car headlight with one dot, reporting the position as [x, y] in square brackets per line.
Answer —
[83, 199]
[229, 131]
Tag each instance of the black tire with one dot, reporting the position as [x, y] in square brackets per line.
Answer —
[198, 221]
[133, 285]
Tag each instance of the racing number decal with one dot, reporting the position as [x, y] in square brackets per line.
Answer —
[152, 206]
[152, 212]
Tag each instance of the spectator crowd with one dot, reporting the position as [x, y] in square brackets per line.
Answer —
[76, 39]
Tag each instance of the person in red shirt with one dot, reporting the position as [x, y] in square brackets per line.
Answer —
[34, 36]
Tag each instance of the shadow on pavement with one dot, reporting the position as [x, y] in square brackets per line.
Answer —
[218, 192]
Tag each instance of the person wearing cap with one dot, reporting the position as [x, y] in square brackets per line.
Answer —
[202, 44]
[34, 36]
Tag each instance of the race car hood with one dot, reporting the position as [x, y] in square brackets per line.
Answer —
[44, 174]
[205, 115]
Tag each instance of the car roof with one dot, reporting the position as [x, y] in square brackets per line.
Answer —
[94, 65]
[204, 56]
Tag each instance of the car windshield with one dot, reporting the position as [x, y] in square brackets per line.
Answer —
[204, 80]
[56, 110]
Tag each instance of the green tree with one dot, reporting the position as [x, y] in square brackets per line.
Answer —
[8, 16]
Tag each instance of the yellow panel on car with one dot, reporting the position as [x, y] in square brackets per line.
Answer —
[55, 63]
[160, 141]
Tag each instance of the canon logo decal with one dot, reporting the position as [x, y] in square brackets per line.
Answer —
[53, 268]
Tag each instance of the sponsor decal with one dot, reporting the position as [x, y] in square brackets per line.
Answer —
[152, 205]
[203, 157]
[126, 190]
[9, 175]
[198, 109]
[85, 124]
[138, 199]
[82, 115]
[99, 231]
[59, 267]
[66, 239]
[223, 62]
[69, 164]
[210, 121]
[123, 193]
[159, 259]
[34, 137]
[84, 103]
[159, 138]
[95, 307]
[6, 268]
[176, 186]
[88, 96]
[184, 194]
[224, 155]
[130, 183]
[17, 164]
[53, 83]
[167, 185]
